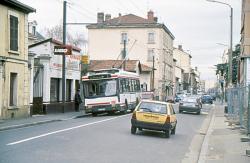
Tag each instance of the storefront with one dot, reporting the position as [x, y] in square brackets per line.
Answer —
[48, 77]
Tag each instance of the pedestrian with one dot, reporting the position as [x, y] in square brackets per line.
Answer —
[78, 100]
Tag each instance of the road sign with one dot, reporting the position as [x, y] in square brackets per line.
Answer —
[63, 49]
[85, 59]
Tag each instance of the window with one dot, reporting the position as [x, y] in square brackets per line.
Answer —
[13, 33]
[124, 36]
[150, 55]
[34, 30]
[151, 38]
[68, 90]
[54, 89]
[13, 89]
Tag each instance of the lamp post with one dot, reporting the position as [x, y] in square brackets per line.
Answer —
[231, 40]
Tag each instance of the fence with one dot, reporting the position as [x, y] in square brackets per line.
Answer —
[238, 104]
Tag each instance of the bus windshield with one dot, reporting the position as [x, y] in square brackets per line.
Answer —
[100, 88]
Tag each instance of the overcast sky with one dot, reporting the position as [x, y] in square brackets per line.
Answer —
[196, 24]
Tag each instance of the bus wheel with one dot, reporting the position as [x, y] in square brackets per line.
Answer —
[94, 114]
[126, 104]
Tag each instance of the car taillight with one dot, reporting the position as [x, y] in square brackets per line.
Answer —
[134, 115]
[167, 119]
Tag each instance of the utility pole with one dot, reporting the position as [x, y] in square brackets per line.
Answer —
[124, 54]
[153, 81]
[63, 59]
[230, 57]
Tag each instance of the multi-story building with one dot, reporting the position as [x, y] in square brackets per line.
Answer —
[182, 69]
[14, 65]
[244, 78]
[143, 39]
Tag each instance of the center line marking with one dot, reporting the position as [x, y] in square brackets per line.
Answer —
[67, 129]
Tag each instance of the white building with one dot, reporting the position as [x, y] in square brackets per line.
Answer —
[47, 76]
[144, 39]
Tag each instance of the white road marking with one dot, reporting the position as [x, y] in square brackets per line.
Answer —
[63, 130]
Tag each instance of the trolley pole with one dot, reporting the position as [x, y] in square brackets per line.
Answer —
[63, 59]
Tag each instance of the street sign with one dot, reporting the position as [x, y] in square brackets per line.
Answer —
[63, 49]
[85, 59]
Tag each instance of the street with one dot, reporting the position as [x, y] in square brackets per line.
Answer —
[99, 139]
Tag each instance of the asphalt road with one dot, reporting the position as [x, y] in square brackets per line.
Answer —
[102, 139]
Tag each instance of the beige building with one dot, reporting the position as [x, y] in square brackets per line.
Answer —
[14, 66]
[144, 39]
[182, 69]
[245, 44]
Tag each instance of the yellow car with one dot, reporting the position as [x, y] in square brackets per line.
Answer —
[154, 115]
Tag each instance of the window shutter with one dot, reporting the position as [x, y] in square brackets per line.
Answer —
[13, 33]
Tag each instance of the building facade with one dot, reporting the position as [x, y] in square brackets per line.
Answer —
[47, 77]
[244, 78]
[143, 39]
[183, 69]
[14, 65]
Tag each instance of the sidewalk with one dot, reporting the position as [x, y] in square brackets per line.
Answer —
[222, 143]
[39, 119]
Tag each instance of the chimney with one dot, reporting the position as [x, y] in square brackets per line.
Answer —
[151, 15]
[120, 14]
[155, 19]
[107, 17]
[100, 17]
[180, 47]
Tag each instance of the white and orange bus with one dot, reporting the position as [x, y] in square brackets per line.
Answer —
[110, 91]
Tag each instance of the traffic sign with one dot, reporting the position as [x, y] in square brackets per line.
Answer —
[85, 59]
[63, 49]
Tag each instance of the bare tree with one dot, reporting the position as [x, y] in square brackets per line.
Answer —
[56, 32]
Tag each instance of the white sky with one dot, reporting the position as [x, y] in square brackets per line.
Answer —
[196, 24]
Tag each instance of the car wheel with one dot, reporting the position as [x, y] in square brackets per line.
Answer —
[167, 133]
[94, 114]
[173, 130]
[133, 130]
[180, 111]
[198, 113]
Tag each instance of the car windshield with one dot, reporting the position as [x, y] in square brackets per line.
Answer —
[153, 107]
[100, 88]
[207, 97]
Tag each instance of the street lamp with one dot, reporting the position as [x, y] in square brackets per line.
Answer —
[231, 40]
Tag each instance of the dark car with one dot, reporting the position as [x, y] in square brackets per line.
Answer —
[190, 104]
[207, 99]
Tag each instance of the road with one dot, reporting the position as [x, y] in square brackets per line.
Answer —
[102, 139]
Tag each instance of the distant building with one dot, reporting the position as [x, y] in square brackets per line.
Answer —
[244, 75]
[131, 65]
[14, 65]
[46, 77]
[144, 39]
[34, 36]
[182, 69]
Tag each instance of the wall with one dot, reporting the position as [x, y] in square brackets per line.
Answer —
[16, 62]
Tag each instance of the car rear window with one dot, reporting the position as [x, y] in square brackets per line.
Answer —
[153, 107]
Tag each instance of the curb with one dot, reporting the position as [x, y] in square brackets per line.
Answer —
[40, 122]
[204, 146]
[28, 124]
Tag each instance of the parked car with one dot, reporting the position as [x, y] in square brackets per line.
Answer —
[190, 104]
[207, 99]
[154, 115]
[177, 98]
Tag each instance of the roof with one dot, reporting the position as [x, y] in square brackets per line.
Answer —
[108, 64]
[18, 6]
[55, 42]
[129, 21]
